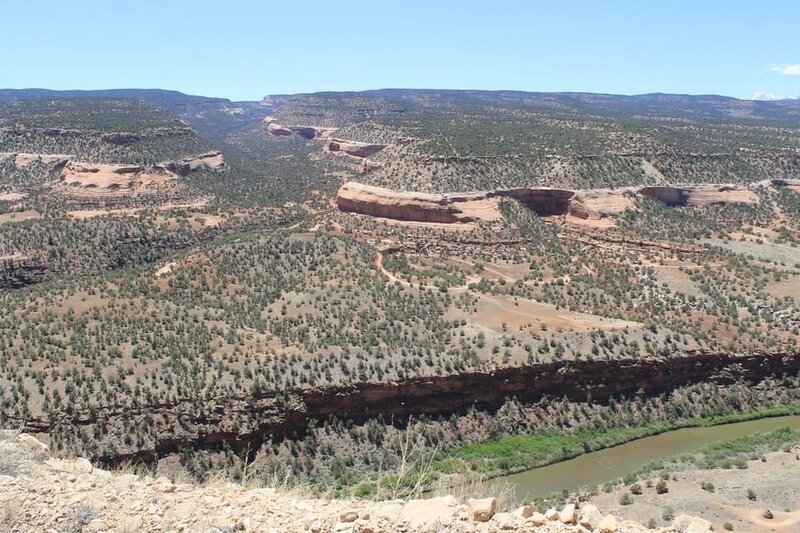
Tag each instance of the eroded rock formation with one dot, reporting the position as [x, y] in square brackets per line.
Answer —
[353, 148]
[54, 161]
[700, 195]
[421, 207]
[544, 201]
[114, 180]
[313, 132]
[273, 128]
[213, 160]
[92, 179]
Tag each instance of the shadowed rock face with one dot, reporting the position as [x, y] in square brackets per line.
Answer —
[672, 196]
[312, 132]
[542, 201]
[700, 195]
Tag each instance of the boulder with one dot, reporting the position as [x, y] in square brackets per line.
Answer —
[766, 513]
[83, 465]
[32, 445]
[568, 515]
[507, 521]
[537, 519]
[589, 516]
[691, 524]
[526, 511]
[552, 515]
[608, 524]
[482, 510]
[348, 516]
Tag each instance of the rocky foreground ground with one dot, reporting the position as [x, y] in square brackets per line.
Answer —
[42, 493]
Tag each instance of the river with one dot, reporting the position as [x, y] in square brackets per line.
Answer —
[599, 467]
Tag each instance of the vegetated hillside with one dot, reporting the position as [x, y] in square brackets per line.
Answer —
[180, 286]
[448, 141]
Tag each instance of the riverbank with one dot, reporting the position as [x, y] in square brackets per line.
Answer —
[750, 483]
[40, 493]
[518, 453]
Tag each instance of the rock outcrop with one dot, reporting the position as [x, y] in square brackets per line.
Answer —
[93, 179]
[273, 128]
[544, 201]
[421, 207]
[700, 195]
[212, 160]
[54, 161]
[40, 493]
[353, 148]
[308, 132]
[241, 421]
[313, 132]
[115, 180]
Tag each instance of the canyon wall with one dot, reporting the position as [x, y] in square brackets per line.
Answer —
[699, 196]
[352, 148]
[247, 420]
[421, 207]
[544, 201]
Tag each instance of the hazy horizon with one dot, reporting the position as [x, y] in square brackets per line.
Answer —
[248, 49]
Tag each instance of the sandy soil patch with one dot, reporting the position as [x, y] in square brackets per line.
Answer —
[605, 202]
[12, 196]
[775, 482]
[652, 172]
[495, 311]
[784, 288]
[677, 280]
[486, 209]
[19, 216]
[780, 253]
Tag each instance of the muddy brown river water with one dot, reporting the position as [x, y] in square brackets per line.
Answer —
[598, 467]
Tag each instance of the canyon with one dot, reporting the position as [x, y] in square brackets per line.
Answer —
[243, 422]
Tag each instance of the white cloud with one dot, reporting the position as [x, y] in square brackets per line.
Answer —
[789, 70]
[765, 96]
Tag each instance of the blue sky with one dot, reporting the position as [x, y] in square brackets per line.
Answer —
[247, 49]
